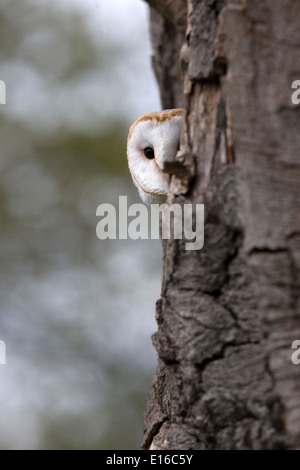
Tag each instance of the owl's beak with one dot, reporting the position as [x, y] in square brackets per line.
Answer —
[168, 171]
[162, 167]
[167, 162]
[166, 159]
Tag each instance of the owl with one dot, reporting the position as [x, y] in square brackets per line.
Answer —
[153, 140]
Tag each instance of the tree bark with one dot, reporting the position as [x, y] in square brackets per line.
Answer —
[228, 313]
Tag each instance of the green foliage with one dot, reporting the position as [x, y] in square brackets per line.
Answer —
[76, 154]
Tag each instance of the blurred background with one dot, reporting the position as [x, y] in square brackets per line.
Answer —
[76, 313]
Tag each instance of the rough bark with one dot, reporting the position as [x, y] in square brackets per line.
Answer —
[229, 313]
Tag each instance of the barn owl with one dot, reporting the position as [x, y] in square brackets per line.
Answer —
[153, 140]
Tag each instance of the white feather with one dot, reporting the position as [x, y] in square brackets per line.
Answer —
[160, 131]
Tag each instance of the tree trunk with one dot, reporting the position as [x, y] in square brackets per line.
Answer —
[228, 313]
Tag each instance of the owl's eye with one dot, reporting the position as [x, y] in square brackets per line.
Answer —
[149, 153]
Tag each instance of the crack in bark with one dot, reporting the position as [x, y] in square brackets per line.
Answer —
[152, 433]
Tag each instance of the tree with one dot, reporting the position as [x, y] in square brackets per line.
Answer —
[229, 313]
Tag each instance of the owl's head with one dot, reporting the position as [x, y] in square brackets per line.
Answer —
[153, 140]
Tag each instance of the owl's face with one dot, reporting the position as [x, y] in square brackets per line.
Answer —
[153, 140]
